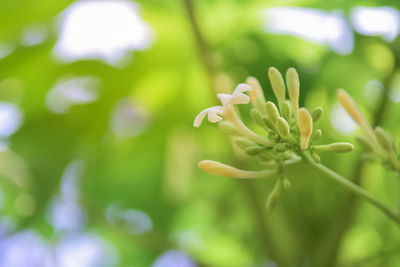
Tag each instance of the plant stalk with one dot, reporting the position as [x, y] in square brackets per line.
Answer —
[355, 189]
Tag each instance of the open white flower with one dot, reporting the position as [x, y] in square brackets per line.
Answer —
[216, 113]
[213, 115]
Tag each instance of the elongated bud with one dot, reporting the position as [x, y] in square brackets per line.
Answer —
[364, 143]
[286, 111]
[257, 117]
[278, 85]
[228, 128]
[316, 157]
[268, 123]
[293, 84]
[316, 135]
[271, 111]
[384, 139]
[305, 123]
[349, 105]
[260, 105]
[253, 150]
[244, 142]
[257, 92]
[286, 184]
[274, 195]
[316, 114]
[340, 147]
[218, 168]
[283, 128]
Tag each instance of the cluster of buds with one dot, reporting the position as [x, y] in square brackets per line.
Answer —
[377, 144]
[288, 130]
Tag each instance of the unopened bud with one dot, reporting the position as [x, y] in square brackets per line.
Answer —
[218, 168]
[384, 139]
[280, 147]
[286, 111]
[268, 123]
[286, 183]
[287, 155]
[244, 142]
[365, 143]
[316, 157]
[283, 128]
[257, 117]
[316, 114]
[305, 123]
[316, 135]
[278, 85]
[228, 128]
[257, 92]
[254, 150]
[349, 105]
[293, 84]
[340, 147]
[272, 111]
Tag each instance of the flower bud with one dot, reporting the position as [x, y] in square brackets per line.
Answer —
[316, 114]
[364, 143]
[316, 135]
[293, 84]
[305, 123]
[257, 117]
[268, 123]
[228, 128]
[253, 150]
[218, 168]
[278, 85]
[286, 111]
[257, 92]
[349, 105]
[340, 147]
[244, 142]
[287, 154]
[316, 157]
[384, 139]
[286, 183]
[283, 128]
[271, 111]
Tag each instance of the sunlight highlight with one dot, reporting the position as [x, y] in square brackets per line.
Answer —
[106, 30]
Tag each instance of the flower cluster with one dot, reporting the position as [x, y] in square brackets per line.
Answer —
[288, 130]
[378, 145]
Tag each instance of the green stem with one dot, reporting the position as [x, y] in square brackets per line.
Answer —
[352, 187]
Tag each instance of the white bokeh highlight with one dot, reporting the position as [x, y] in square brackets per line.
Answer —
[10, 119]
[72, 91]
[376, 21]
[106, 30]
[342, 121]
[326, 28]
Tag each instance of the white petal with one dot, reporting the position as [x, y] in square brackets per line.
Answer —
[224, 98]
[213, 115]
[242, 87]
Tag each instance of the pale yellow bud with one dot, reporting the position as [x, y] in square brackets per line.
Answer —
[305, 123]
[217, 168]
[349, 105]
[278, 85]
[257, 92]
[293, 84]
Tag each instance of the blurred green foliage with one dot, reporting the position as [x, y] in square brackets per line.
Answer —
[217, 221]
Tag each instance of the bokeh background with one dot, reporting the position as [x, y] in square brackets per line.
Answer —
[98, 156]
